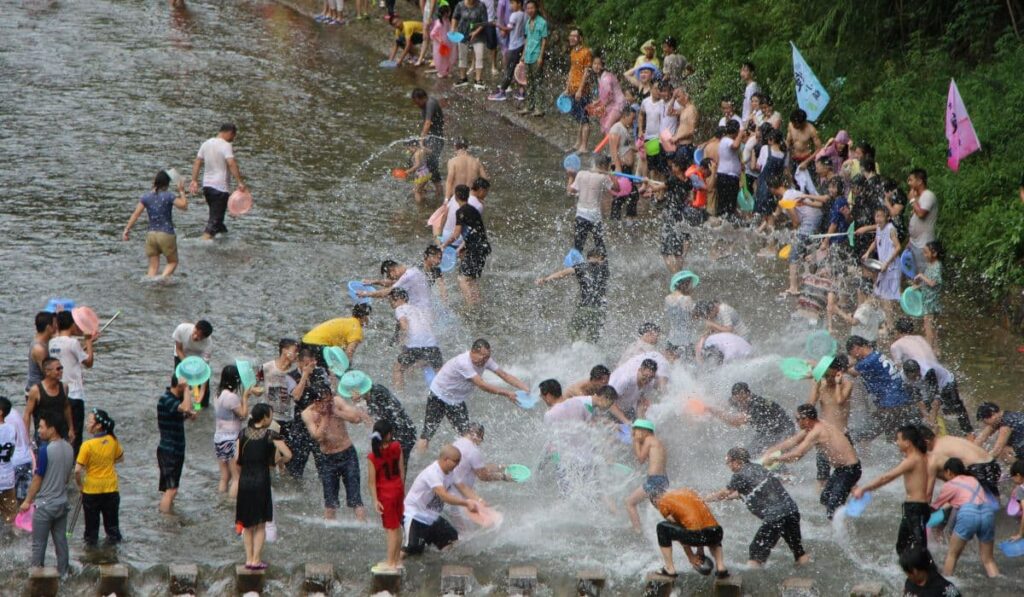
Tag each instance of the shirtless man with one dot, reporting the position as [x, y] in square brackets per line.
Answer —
[833, 443]
[598, 379]
[711, 153]
[647, 448]
[914, 470]
[687, 127]
[463, 168]
[977, 459]
[802, 140]
[339, 462]
[831, 394]
[46, 328]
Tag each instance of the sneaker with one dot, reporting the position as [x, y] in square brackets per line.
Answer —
[462, 83]
[519, 97]
[499, 96]
[479, 86]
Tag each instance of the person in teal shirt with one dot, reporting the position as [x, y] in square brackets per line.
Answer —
[533, 57]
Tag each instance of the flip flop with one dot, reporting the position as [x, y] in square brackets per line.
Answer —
[664, 572]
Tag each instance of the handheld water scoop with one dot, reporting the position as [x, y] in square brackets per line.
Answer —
[195, 371]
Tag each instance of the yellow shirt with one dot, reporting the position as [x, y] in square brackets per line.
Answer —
[409, 28]
[98, 456]
[336, 332]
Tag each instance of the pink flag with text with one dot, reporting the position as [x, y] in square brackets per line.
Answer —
[963, 141]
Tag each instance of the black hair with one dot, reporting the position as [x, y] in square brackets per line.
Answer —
[461, 142]
[386, 265]
[867, 164]
[47, 361]
[399, 294]
[807, 411]
[608, 392]
[1017, 468]
[431, 251]
[56, 420]
[684, 285]
[5, 406]
[926, 432]
[867, 149]
[917, 558]
[920, 174]
[986, 410]
[481, 343]
[732, 127]
[739, 387]
[749, 66]
[307, 351]
[936, 247]
[229, 379]
[599, 371]
[627, 111]
[767, 100]
[596, 252]
[649, 364]
[602, 161]
[418, 93]
[706, 163]
[648, 327]
[205, 328]
[64, 320]
[855, 341]
[911, 367]
[481, 183]
[956, 467]
[913, 435]
[905, 325]
[738, 455]
[228, 127]
[284, 343]
[104, 421]
[882, 209]
[840, 362]
[361, 310]
[161, 181]
[703, 309]
[713, 354]
[727, 99]
[461, 193]
[551, 387]
[381, 429]
[44, 319]
[798, 116]
[259, 412]
[777, 181]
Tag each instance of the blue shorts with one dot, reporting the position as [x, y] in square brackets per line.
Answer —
[340, 468]
[973, 519]
[655, 485]
[579, 110]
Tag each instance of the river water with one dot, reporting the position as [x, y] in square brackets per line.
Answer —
[98, 96]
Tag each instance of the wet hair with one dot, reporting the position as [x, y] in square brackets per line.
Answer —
[44, 319]
[798, 116]
[1017, 468]
[956, 467]
[481, 183]
[361, 310]
[986, 410]
[911, 367]
[5, 406]
[161, 181]
[936, 247]
[905, 325]
[475, 428]
[284, 343]
[740, 387]
[47, 361]
[599, 371]
[461, 142]
[56, 420]
[551, 387]
[917, 558]
[103, 420]
[386, 265]
[912, 434]
[738, 455]
[399, 294]
[648, 327]
[65, 320]
[749, 66]
[840, 362]
[649, 364]
[596, 252]
[228, 127]
[920, 174]
[807, 411]
[432, 251]
[703, 309]
[381, 429]
[229, 378]
[418, 94]
[461, 193]
[732, 127]
[856, 341]
[608, 392]
[926, 432]
[706, 163]
[601, 161]
[308, 352]
[259, 412]
[481, 344]
[205, 328]
[713, 354]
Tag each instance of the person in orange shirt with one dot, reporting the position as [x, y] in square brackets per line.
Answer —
[689, 521]
[578, 86]
[698, 175]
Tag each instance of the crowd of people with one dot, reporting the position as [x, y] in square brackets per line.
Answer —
[853, 240]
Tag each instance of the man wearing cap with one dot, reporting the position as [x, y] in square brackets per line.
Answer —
[769, 421]
[382, 405]
[647, 448]
[193, 340]
[338, 462]
[637, 380]
[410, 279]
[416, 337]
[455, 383]
[344, 332]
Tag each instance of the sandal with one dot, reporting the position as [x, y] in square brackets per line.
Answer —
[664, 572]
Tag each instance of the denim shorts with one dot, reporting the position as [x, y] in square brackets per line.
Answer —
[336, 469]
[973, 519]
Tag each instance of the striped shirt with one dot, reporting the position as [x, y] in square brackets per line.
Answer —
[171, 422]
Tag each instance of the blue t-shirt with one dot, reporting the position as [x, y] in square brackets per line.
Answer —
[882, 380]
[158, 207]
[841, 224]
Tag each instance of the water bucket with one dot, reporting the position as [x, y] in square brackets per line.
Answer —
[518, 472]
[907, 264]
[86, 320]
[59, 304]
[572, 258]
[449, 257]
[652, 147]
[526, 400]
[625, 187]
[937, 518]
[194, 370]
[485, 517]
[744, 199]
[174, 175]
[455, 37]
[336, 359]
[785, 251]
[787, 203]
[684, 275]
[695, 407]
[354, 382]
[912, 302]
[246, 373]
[571, 163]
[822, 367]
[625, 434]
[698, 156]
[239, 203]
[23, 520]
[399, 174]
[819, 344]
[1012, 549]
[564, 104]
[795, 368]
[387, 64]
[356, 286]
[855, 507]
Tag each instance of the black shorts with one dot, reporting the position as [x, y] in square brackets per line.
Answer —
[441, 534]
[490, 34]
[170, 465]
[673, 240]
[430, 354]
[657, 163]
[434, 147]
[838, 487]
[670, 531]
[768, 536]
[579, 110]
[472, 264]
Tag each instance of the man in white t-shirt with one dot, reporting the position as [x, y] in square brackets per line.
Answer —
[720, 317]
[575, 443]
[924, 207]
[193, 340]
[592, 186]
[652, 109]
[410, 279]
[747, 76]
[723, 347]
[727, 179]
[279, 384]
[728, 108]
[416, 337]
[217, 158]
[68, 350]
[425, 500]
[637, 380]
[455, 382]
[471, 468]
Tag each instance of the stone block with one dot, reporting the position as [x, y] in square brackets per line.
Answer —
[867, 589]
[657, 585]
[114, 580]
[318, 578]
[43, 582]
[522, 580]
[456, 579]
[386, 581]
[729, 587]
[248, 581]
[184, 579]
[590, 583]
[796, 586]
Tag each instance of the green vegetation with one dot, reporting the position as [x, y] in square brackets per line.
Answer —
[887, 65]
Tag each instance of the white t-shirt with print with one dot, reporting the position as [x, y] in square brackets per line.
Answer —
[70, 353]
[421, 503]
[731, 346]
[452, 383]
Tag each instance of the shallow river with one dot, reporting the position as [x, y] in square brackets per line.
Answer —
[98, 96]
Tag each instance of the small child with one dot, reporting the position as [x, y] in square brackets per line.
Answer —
[647, 448]
[1017, 495]
[923, 578]
[386, 478]
[418, 168]
[887, 245]
[442, 48]
[930, 283]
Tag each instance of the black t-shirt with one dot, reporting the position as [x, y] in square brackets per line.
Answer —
[767, 417]
[317, 386]
[762, 492]
[676, 193]
[900, 223]
[383, 405]
[474, 234]
[937, 586]
[432, 112]
[593, 280]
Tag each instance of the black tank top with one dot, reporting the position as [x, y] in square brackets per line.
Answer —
[50, 402]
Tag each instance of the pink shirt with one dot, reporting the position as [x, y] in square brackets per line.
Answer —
[957, 492]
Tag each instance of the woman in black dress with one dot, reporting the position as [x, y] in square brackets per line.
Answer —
[259, 449]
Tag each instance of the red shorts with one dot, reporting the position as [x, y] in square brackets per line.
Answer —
[394, 507]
